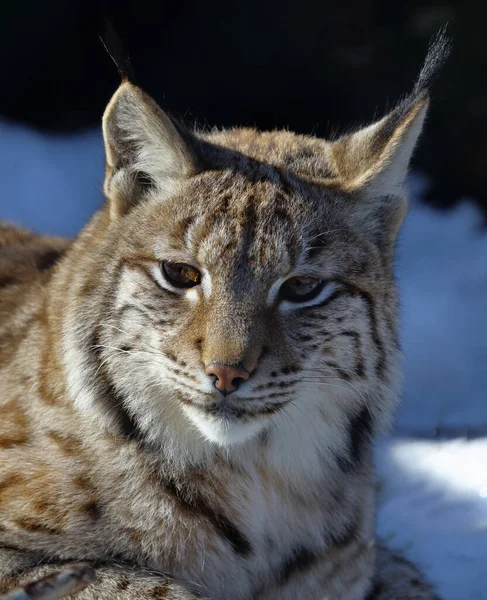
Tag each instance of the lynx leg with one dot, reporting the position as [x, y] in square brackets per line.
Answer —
[22, 578]
[66, 582]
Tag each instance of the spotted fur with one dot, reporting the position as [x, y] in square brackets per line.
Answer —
[115, 447]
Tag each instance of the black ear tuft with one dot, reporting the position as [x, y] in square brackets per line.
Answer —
[114, 46]
[438, 52]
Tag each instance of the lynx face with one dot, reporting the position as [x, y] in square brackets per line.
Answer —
[243, 279]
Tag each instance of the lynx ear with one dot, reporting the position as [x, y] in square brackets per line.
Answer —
[376, 159]
[373, 162]
[143, 147]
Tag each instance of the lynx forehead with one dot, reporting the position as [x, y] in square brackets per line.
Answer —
[193, 384]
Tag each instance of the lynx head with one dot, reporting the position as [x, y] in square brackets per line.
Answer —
[239, 281]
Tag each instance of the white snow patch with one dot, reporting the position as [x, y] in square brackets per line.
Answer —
[442, 273]
[49, 183]
[433, 507]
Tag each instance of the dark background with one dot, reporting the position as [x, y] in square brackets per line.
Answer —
[313, 66]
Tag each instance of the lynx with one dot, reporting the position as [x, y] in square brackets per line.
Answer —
[191, 387]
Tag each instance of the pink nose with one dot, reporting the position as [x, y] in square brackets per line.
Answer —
[227, 377]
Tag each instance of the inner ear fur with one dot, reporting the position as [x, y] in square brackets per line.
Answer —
[375, 159]
[144, 149]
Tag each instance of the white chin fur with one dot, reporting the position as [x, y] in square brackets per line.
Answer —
[220, 431]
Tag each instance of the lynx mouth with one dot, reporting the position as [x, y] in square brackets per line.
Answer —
[236, 409]
[228, 422]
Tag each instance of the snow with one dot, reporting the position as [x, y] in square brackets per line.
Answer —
[433, 507]
[433, 502]
[442, 269]
[49, 183]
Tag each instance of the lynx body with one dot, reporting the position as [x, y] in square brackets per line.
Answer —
[191, 387]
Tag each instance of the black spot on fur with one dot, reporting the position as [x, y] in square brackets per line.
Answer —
[32, 526]
[376, 592]
[359, 432]
[285, 182]
[48, 259]
[191, 500]
[123, 583]
[163, 322]
[300, 560]
[91, 510]
[282, 215]
[341, 372]
[7, 280]
[346, 537]
[285, 384]
[128, 423]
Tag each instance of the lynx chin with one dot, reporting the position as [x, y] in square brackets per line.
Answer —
[191, 387]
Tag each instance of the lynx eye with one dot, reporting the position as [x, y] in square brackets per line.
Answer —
[301, 288]
[180, 275]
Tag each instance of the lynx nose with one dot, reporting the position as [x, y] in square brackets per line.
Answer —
[227, 378]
